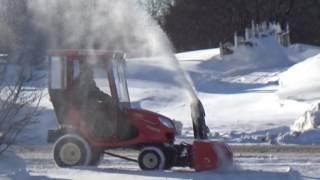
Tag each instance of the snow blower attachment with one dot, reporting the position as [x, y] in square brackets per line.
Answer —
[89, 93]
[207, 155]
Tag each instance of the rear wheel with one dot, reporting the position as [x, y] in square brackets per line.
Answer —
[151, 158]
[71, 150]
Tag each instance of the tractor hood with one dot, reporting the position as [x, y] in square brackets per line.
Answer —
[150, 117]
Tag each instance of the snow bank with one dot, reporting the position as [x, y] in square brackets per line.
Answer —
[264, 53]
[300, 52]
[304, 130]
[301, 81]
[309, 120]
[310, 137]
[199, 54]
[12, 166]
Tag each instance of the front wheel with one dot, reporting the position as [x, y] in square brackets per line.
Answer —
[151, 158]
[71, 150]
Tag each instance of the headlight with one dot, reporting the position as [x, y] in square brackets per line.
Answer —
[166, 122]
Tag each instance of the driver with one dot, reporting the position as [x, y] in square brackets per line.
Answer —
[85, 88]
[95, 106]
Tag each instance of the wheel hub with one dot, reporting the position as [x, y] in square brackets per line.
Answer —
[150, 160]
[70, 153]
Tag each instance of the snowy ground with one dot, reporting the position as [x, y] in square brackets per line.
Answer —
[251, 96]
[291, 166]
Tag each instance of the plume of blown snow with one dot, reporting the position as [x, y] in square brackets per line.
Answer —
[120, 25]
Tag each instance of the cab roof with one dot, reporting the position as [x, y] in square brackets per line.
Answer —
[85, 53]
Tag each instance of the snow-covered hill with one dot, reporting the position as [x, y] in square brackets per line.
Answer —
[243, 100]
[240, 92]
[300, 52]
[301, 81]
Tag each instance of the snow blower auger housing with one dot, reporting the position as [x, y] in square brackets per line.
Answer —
[89, 93]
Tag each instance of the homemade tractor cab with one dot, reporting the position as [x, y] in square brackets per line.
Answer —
[96, 119]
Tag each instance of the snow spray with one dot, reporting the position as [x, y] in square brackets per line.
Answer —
[105, 24]
[120, 25]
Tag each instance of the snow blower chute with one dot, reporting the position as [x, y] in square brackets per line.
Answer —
[206, 154]
[94, 119]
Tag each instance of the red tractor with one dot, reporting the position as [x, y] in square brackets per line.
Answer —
[94, 120]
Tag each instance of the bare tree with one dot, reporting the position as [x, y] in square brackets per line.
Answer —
[19, 102]
[19, 97]
[157, 9]
[192, 24]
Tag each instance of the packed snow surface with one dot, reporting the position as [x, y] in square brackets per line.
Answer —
[29, 165]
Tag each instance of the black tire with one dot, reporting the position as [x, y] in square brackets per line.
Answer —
[170, 156]
[71, 150]
[152, 158]
[97, 156]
